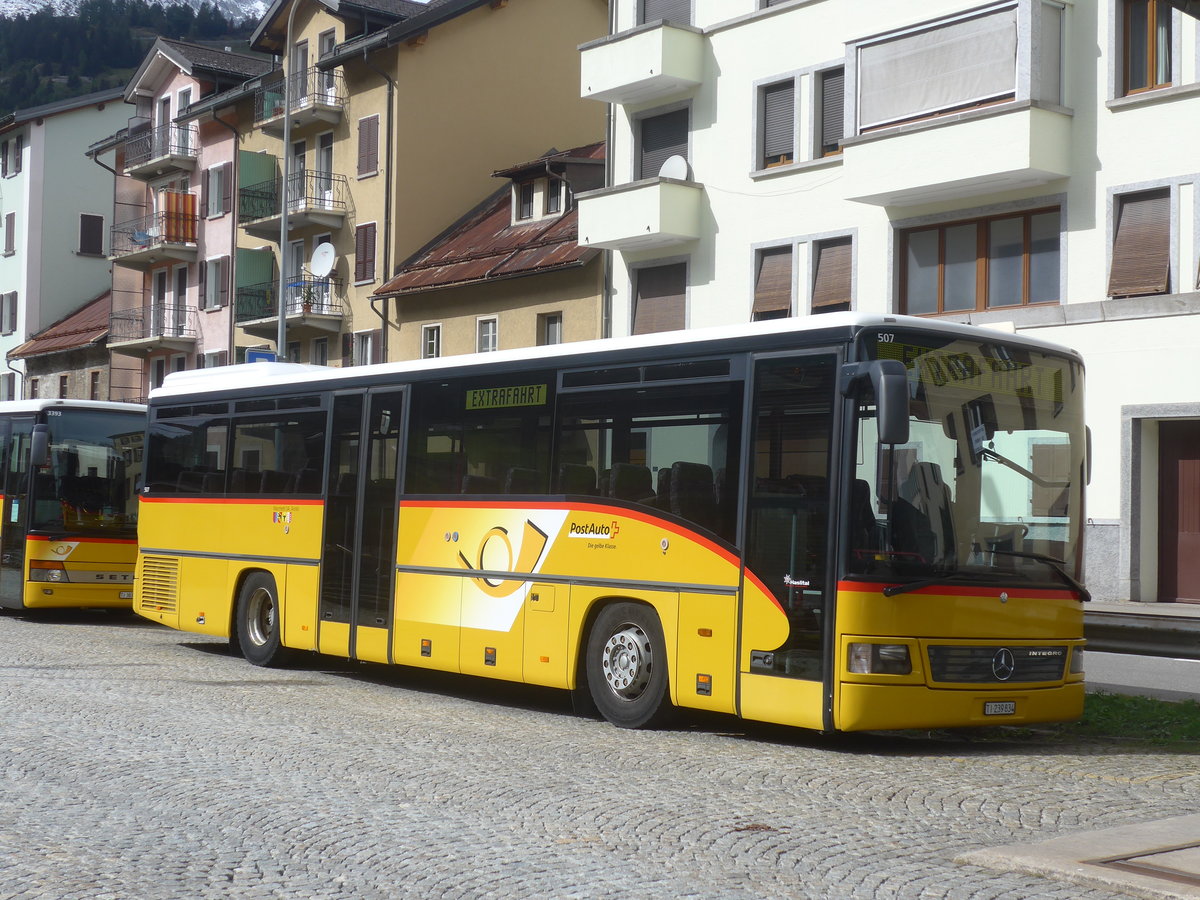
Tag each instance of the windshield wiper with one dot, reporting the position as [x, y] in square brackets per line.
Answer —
[1056, 565]
[949, 578]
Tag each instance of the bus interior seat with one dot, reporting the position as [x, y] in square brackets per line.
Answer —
[244, 481]
[213, 483]
[692, 493]
[190, 481]
[575, 478]
[663, 489]
[923, 516]
[519, 480]
[480, 484]
[276, 482]
[436, 473]
[629, 481]
[308, 481]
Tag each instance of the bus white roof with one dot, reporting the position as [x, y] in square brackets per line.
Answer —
[32, 406]
[228, 378]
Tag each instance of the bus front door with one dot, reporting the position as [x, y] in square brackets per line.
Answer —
[16, 435]
[358, 557]
[788, 530]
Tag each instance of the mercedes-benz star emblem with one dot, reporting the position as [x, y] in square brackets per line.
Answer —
[1003, 664]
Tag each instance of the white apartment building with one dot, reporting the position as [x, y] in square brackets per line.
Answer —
[1028, 165]
[55, 209]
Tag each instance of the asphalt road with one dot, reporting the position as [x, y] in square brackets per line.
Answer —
[137, 762]
[1151, 676]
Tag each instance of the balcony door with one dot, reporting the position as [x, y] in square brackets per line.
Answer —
[158, 304]
[297, 177]
[300, 74]
[295, 278]
[324, 166]
[325, 45]
[178, 311]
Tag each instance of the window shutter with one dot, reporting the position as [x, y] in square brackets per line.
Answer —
[91, 234]
[831, 279]
[10, 233]
[773, 283]
[3, 159]
[1052, 463]
[1141, 261]
[202, 279]
[10, 322]
[227, 187]
[661, 299]
[223, 281]
[347, 349]
[662, 137]
[18, 149]
[205, 192]
[377, 346]
[368, 145]
[677, 11]
[779, 120]
[364, 252]
[833, 110]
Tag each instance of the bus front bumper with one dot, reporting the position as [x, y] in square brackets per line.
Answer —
[872, 707]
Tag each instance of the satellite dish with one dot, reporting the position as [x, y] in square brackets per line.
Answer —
[675, 167]
[322, 260]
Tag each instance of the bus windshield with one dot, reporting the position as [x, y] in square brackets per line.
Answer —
[89, 485]
[989, 485]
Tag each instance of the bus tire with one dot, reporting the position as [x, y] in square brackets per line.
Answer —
[258, 621]
[627, 666]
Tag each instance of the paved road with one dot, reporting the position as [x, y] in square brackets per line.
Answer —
[136, 762]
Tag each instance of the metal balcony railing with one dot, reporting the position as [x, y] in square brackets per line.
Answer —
[303, 295]
[177, 226]
[159, 320]
[308, 189]
[308, 88]
[158, 143]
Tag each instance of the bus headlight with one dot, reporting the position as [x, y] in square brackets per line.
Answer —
[47, 571]
[1076, 667]
[879, 659]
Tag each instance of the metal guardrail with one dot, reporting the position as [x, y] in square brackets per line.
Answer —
[1147, 635]
[308, 189]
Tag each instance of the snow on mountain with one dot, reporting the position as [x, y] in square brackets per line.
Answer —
[236, 10]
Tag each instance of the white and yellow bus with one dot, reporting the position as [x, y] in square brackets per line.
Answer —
[843, 523]
[68, 532]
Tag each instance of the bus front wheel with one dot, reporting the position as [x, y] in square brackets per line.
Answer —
[627, 666]
[258, 621]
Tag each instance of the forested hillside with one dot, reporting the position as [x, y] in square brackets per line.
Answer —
[48, 56]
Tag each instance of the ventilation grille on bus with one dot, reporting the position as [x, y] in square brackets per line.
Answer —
[996, 665]
[159, 583]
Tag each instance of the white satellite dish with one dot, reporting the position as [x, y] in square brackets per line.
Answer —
[675, 167]
[322, 260]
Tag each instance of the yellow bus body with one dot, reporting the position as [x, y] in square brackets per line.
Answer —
[507, 590]
[78, 572]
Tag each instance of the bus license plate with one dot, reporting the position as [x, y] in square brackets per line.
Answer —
[999, 708]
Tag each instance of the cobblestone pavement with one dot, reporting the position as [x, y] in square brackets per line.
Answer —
[139, 763]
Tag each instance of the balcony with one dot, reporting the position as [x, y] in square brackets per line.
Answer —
[645, 215]
[165, 150]
[313, 307]
[160, 326]
[649, 63]
[165, 235]
[997, 149]
[317, 97]
[314, 198]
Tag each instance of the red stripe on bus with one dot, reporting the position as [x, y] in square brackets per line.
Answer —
[81, 540]
[241, 501]
[954, 590]
[583, 507]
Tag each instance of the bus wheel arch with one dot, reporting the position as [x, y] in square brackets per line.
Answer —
[624, 670]
[257, 627]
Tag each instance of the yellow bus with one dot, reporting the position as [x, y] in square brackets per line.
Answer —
[841, 523]
[68, 532]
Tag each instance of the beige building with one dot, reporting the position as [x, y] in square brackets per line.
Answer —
[391, 109]
[510, 273]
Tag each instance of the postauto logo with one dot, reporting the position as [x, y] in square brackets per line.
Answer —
[593, 530]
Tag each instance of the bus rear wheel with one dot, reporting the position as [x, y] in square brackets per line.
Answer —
[258, 621]
[627, 666]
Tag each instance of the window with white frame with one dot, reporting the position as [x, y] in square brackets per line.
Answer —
[431, 341]
[773, 277]
[64, 387]
[215, 358]
[293, 351]
[550, 328]
[777, 131]
[367, 347]
[94, 384]
[214, 286]
[524, 200]
[35, 389]
[487, 333]
[318, 352]
[1141, 248]
[554, 195]
[217, 190]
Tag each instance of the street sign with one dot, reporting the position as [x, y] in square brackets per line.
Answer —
[260, 356]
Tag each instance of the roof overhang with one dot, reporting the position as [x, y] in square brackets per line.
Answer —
[271, 33]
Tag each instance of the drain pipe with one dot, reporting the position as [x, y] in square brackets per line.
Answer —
[387, 204]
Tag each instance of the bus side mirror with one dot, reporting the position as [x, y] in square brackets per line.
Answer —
[889, 378]
[39, 447]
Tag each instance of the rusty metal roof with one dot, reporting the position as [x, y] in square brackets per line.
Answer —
[485, 245]
[83, 328]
